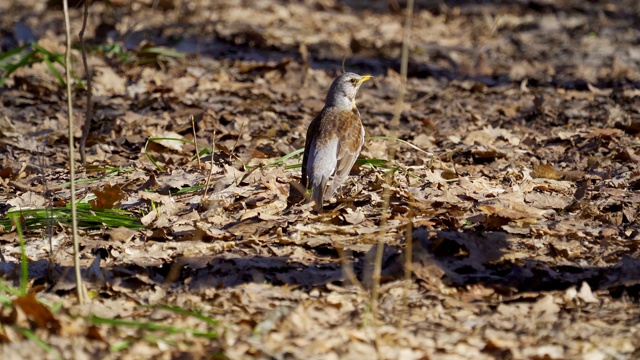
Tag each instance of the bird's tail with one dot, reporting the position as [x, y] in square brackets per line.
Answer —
[316, 195]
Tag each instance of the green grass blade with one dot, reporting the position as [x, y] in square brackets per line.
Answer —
[54, 71]
[372, 162]
[282, 159]
[11, 291]
[163, 51]
[172, 139]
[375, 162]
[87, 217]
[24, 262]
[12, 52]
[152, 326]
[181, 311]
[294, 166]
[123, 345]
[55, 57]
[110, 172]
[26, 60]
[5, 301]
[188, 189]
[205, 150]
[33, 337]
[157, 340]
[153, 161]
[42, 50]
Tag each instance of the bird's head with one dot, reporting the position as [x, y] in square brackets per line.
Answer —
[344, 88]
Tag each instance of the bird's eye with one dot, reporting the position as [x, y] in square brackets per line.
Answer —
[354, 81]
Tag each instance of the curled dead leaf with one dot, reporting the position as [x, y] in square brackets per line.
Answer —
[37, 312]
[545, 171]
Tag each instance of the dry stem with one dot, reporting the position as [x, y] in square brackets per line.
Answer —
[87, 71]
[394, 125]
[72, 163]
[213, 151]
[195, 141]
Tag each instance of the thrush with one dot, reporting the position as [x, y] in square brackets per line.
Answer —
[334, 139]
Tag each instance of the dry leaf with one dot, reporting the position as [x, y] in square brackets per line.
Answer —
[37, 312]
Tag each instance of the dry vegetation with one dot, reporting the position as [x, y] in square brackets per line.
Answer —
[522, 204]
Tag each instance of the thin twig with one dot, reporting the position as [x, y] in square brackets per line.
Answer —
[408, 257]
[72, 163]
[213, 151]
[87, 71]
[49, 213]
[346, 267]
[236, 144]
[177, 10]
[195, 141]
[408, 239]
[394, 126]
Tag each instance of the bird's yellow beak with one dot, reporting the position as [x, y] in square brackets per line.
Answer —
[365, 78]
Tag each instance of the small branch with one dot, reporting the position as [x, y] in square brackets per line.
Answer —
[236, 144]
[394, 125]
[213, 151]
[195, 141]
[89, 114]
[346, 267]
[72, 163]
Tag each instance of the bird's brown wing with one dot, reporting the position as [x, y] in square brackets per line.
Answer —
[331, 129]
[328, 125]
[320, 156]
[312, 132]
[351, 138]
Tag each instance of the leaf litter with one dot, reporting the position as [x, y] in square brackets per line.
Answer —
[516, 176]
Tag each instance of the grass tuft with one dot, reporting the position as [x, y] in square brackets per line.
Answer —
[87, 217]
[27, 55]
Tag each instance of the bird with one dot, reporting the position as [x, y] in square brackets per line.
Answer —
[334, 139]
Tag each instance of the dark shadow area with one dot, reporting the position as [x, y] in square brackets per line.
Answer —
[624, 11]
[484, 258]
[464, 258]
[247, 43]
